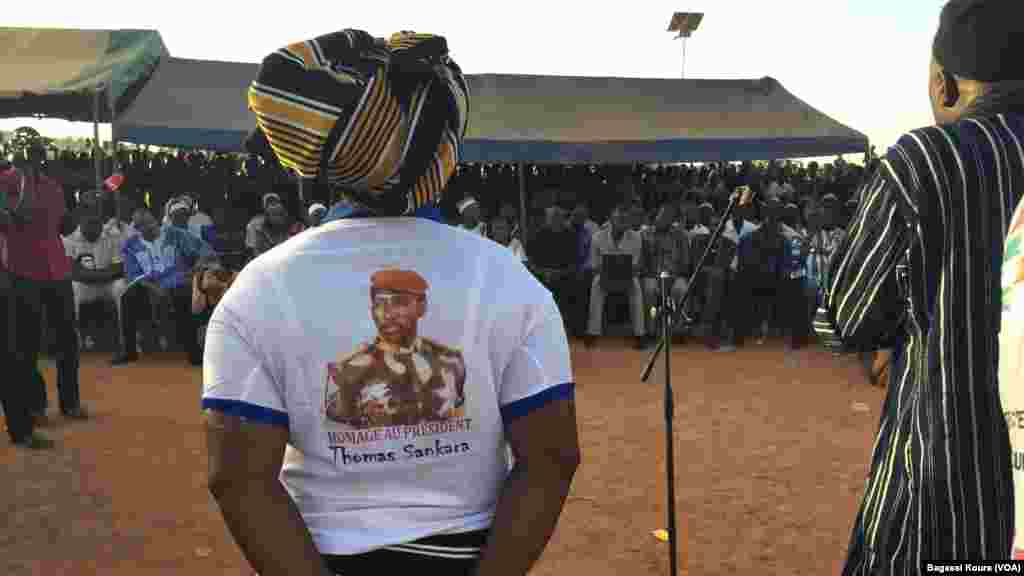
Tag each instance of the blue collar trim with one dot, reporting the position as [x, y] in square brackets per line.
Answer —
[342, 210]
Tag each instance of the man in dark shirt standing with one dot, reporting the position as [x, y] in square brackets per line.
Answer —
[553, 256]
[40, 276]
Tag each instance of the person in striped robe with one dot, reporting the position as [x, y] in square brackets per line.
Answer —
[918, 272]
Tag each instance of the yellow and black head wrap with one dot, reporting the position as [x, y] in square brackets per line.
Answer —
[380, 121]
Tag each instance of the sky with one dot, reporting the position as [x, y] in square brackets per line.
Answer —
[863, 62]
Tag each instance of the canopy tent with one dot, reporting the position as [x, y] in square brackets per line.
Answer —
[567, 120]
[56, 73]
[538, 119]
[192, 104]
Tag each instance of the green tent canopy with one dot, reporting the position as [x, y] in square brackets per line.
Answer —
[55, 72]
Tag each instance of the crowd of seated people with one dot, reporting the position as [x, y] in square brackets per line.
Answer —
[761, 278]
[189, 220]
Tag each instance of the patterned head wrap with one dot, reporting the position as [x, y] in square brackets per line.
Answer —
[381, 121]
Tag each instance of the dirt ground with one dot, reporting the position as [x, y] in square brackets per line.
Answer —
[770, 459]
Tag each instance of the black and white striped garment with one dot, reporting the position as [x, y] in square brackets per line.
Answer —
[939, 486]
[445, 555]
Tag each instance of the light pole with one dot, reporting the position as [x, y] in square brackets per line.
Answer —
[685, 23]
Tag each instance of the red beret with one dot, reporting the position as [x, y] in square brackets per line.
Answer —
[399, 281]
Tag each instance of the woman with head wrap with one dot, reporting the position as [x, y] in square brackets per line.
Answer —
[351, 440]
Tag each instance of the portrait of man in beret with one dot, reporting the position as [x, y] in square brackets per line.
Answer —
[399, 378]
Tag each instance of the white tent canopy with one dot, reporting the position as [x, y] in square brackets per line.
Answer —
[191, 104]
[538, 119]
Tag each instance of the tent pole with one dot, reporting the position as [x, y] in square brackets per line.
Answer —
[118, 169]
[97, 162]
[522, 204]
[683, 68]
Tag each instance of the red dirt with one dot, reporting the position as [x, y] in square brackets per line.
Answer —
[770, 461]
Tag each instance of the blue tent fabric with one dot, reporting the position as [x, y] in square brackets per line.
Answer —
[534, 119]
[664, 151]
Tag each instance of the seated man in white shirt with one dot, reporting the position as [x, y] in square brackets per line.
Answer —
[97, 273]
[616, 239]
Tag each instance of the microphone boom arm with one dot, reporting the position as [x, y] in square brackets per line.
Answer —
[680, 307]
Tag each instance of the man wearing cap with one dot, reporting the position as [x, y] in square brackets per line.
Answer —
[919, 271]
[183, 213]
[316, 214]
[392, 459]
[272, 227]
[400, 377]
[177, 211]
[469, 212]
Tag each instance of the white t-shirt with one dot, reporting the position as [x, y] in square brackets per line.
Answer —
[293, 342]
[98, 255]
[1011, 362]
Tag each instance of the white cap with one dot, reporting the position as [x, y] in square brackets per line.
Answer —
[317, 207]
[177, 206]
[268, 197]
[466, 203]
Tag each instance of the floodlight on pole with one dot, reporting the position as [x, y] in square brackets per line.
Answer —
[685, 23]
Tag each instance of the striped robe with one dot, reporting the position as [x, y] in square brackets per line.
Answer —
[939, 486]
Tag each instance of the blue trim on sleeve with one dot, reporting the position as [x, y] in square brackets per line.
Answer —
[247, 411]
[524, 406]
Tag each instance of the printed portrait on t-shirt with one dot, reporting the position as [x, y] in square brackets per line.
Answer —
[397, 377]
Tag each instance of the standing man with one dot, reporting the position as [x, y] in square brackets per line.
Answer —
[394, 453]
[552, 258]
[919, 271]
[791, 280]
[40, 277]
[730, 294]
[666, 249]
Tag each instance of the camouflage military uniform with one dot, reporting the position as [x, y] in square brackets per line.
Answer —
[380, 385]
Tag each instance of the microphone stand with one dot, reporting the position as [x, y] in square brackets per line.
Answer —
[673, 315]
